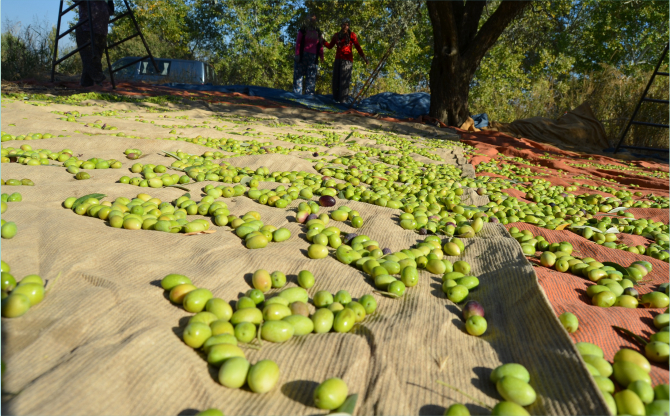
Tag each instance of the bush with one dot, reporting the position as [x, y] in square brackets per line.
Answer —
[27, 52]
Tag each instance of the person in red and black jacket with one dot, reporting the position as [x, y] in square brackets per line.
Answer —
[344, 60]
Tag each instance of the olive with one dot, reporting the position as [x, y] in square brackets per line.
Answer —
[358, 309]
[262, 280]
[221, 352]
[604, 384]
[277, 331]
[252, 315]
[218, 339]
[330, 394]
[604, 368]
[476, 325]
[457, 410]
[323, 320]
[510, 369]
[627, 403]
[8, 230]
[344, 320]
[205, 317]
[302, 325]
[299, 308]
[172, 280]
[457, 294]
[586, 348]
[209, 412]
[662, 392]
[397, 288]
[643, 391]
[245, 332]
[569, 322]
[626, 354]
[8, 283]
[508, 409]
[196, 334]
[369, 303]
[263, 376]
[233, 372]
[294, 294]
[657, 407]
[15, 305]
[33, 291]
[305, 279]
[195, 300]
[221, 326]
[515, 390]
[626, 372]
[657, 351]
[317, 251]
[220, 308]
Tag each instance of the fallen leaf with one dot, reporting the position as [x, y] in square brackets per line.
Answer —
[202, 232]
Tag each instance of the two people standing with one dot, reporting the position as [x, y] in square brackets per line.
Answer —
[309, 48]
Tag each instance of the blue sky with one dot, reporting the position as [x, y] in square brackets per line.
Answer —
[33, 11]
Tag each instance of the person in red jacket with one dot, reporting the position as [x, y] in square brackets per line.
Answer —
[344, 60]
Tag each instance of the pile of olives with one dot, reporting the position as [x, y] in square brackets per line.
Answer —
[18, 298]
[254, 232]
[211, 330]
[133, 154]
[630, 370]
[17, 182]
[147, 213]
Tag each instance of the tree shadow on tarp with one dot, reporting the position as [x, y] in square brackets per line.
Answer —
[301, 391]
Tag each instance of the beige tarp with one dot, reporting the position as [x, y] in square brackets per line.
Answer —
[107, 341]
[578, 130]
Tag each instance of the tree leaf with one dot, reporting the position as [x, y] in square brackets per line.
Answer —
[563, 226]
[178, 187]
[617, 210]
[245, 180]
[618, 267]
[83, 199]
[348, 406]
[201, 232]
[174, 155]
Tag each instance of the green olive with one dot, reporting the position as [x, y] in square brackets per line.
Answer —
[604, 384]
[627, 403]
[317, 251]
[195, 300]
[626, 372]
[358, 309]
[275, 312]
[457, 410]
[302, 325]
[643, 391]
[210, 412]
[508, 409]
[221, 326]
[178, 292]
[221, 352]
[569, 322]
[196, 334]
[218, 339]
[510, 369]
[220, 308]
[294, 294]
[603, 367]
[252, 315]
[331, 394]
[245, 332]
[8, 230]
[323, 320]
[33, 291]
[586, 348]
[369, 303]
[657, 351]
[657, 407]
[205, 317]
[476, 325]
[277, 331]
[15, 305]
[172, 280]
[233, 372]
[515, 390]
[8, 283]
[305, 279]
[263, 376]
[626, 354]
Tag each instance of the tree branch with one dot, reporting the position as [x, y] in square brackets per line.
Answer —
[491, 31]
[471, 14]
[442, 17]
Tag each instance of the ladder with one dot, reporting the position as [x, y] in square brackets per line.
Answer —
[138, 32]
[649, 100]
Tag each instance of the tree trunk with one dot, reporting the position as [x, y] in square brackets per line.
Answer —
[458, 49]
